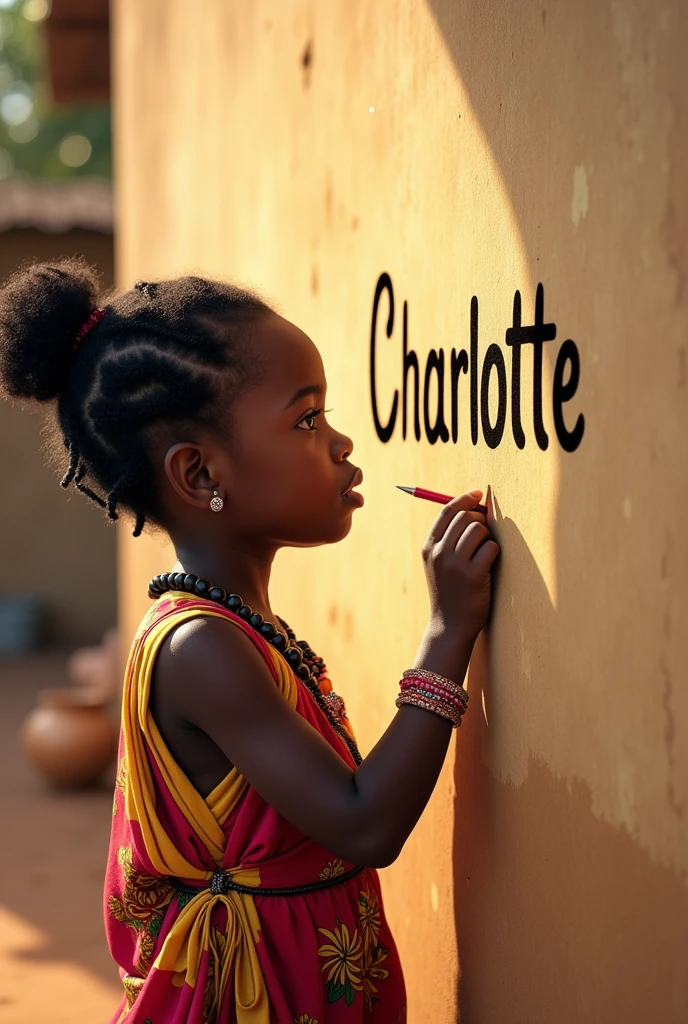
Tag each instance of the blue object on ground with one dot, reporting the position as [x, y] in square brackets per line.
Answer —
[21, 622]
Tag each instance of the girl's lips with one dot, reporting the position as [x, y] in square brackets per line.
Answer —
[355, 481]
[353, 498]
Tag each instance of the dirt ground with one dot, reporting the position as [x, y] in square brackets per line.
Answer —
[55, 967]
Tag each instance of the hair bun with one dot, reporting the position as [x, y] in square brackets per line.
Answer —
[42, 308]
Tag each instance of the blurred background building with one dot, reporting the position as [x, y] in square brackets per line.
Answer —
[57, 570]
[57, 573]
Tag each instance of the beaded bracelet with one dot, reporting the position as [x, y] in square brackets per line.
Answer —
[438, 708]
[419, 681]
[456, 706]
[436, 695]
[434, 677]
[433, 692]
[437, 701]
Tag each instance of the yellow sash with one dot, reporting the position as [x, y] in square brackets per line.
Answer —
[192, 933]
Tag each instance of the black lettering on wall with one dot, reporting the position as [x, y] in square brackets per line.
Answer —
[435, 362]
[468, 362]
[514, 338]
[459, 363]
[493, 358]
[474, 369]
[410, 362]
[568, 353]
[538, 334]
[384, 284]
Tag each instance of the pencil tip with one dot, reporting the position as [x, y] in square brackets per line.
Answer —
[409, 490]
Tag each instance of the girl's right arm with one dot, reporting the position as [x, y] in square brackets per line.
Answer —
[363, 816]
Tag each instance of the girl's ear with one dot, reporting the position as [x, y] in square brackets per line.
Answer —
[186, 470]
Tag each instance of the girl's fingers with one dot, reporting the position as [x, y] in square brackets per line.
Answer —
[486, 554]
[461, 504]
[473, 535]
[460, 523]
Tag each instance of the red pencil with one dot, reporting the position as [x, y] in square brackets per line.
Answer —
[441, 499]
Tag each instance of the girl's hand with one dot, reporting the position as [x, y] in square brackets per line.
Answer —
[211, 676]
[458, 555]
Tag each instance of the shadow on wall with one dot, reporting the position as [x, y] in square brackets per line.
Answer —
[556, 911]
[560, 915]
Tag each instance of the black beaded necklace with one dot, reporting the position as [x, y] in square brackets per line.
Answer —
[303, 660]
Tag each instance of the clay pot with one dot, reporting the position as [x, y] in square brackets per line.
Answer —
[97, 667]
[69, 737]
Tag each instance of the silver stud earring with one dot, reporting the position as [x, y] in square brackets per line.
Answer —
[216, 502]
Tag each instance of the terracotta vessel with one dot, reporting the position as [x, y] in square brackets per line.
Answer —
[98, 667]
[69, 737]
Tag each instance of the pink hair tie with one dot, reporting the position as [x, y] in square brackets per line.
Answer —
[94, 319]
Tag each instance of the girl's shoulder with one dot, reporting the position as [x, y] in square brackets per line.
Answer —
[183, 616]
[207, 658]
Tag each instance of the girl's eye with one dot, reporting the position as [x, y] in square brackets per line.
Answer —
[309, 419]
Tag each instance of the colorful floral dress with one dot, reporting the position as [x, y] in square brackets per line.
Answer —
[194, 942]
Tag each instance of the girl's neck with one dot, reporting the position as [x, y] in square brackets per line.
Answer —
[238, 572]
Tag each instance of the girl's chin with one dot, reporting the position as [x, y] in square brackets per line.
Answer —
[346, 530]
[331, 534]
[342, 529]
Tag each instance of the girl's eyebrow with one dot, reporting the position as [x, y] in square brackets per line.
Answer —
[308, 389]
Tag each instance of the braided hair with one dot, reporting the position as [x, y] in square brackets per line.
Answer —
[164, 360]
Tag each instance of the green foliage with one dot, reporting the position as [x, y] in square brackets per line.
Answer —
[335, 992]
[23, 71]
[183, 898]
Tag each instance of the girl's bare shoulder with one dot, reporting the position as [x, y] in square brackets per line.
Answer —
[207, 659]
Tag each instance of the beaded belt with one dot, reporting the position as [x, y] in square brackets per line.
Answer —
[221, 883]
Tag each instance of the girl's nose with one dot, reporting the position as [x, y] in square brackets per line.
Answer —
[343, 446]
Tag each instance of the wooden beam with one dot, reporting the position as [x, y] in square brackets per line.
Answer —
[78, 43]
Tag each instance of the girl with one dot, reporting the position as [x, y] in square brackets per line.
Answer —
[241, 882]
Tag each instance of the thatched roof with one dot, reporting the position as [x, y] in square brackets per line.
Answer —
[85, 203]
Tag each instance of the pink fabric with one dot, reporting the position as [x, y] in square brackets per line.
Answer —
[327, 957]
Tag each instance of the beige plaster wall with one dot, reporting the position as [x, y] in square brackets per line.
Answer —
[471, 149]
[55, 543]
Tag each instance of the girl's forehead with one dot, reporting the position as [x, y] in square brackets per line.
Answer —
[290, 358]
